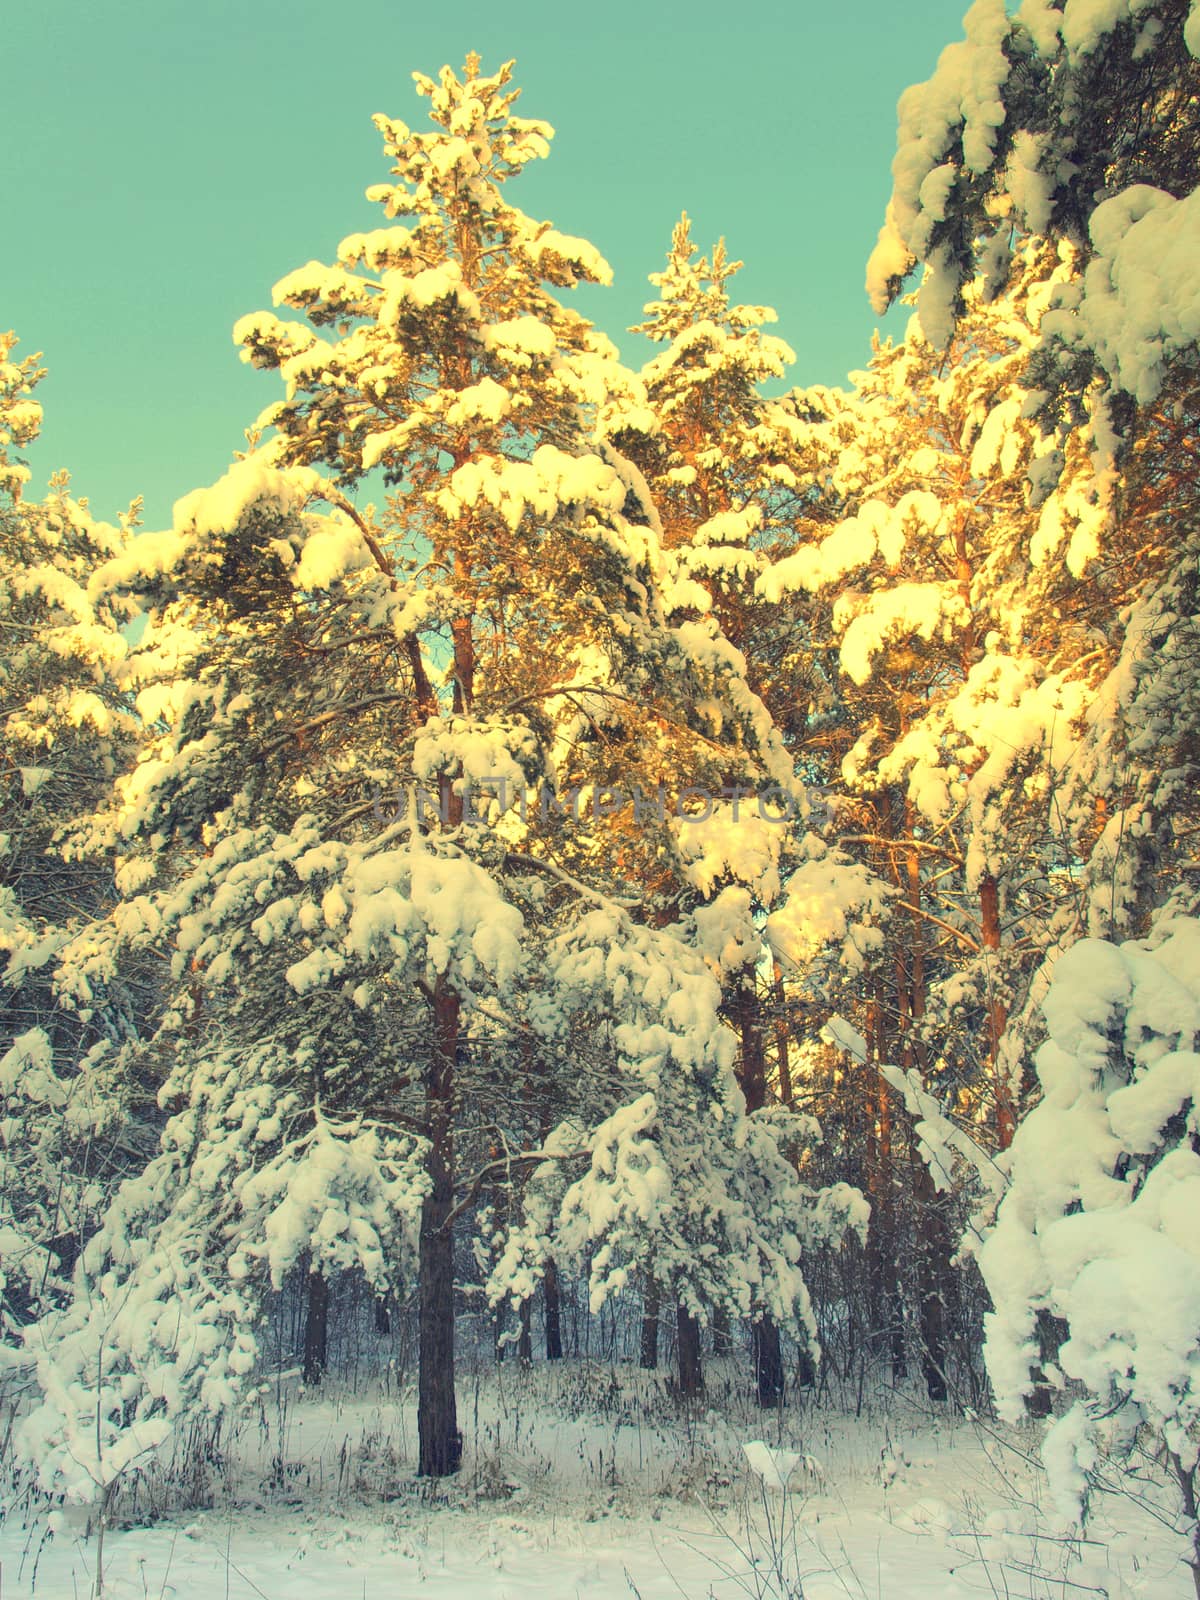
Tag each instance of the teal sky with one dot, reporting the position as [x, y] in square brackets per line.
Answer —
[168, 160]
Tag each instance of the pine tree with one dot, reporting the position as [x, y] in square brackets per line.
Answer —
[1094, 1241]
[68, 730]
[952, 606]
[1074, 123]
[725, 467]
[374, 940]
[721, 461]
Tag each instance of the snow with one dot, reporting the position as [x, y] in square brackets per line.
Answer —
[1029, 188]
[963, 99]
[485, 401]
[726, 934]
[875, 528]
[828, 901]
[346, 1200]
[400, 901]
[781, 1470]
[944, 1146]
[520, 339]
[573, 1486]
[27, 1070]
[1004, 711]
[868, 623]
[379, 248]
[999, 444]
[491, 762]
[580, 259]
[250, 482]
[1086, 23]
[1140, 301]
[549, 481]
[418, 291]
[308, 284]
[738, 840]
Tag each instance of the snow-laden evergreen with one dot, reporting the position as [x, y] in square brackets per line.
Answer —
[345, 982]
[1093, 1264]
[536, 839]
[1071, 121]
[67, 1127]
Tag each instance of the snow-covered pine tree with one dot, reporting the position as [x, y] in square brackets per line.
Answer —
[1093, 1264]
[67, 732]
[346, 980]
[1131, 795]
[720, 459]
[724, 467]
[955, 616]
[1074, 122]
[953, 609]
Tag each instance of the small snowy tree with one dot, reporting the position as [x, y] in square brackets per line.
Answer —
[1093, 1264]
[686, 1181]
[720, 459]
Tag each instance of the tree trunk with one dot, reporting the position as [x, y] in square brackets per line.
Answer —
[752, 1077]
[316, 1327]
[934, 1269]
[933, 1244]
[651, 1305]
[806, 1370]
[691, 1373]
[1051, 1333]
[886, 1304]
[499, 1324]
[782, 1048]
[722, 1337]
[551, 1312]
[1185, 1477]
[997, 1014]
[439, 1442]
[768, 1365]
[525, 1336]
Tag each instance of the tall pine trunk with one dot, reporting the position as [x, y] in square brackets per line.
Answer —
[316, 1327]
[525, 1335]
[651, 1307]
[934, 1247]
[768, 1364]
[691, 1372]
[439, 1442]
[552, 1312]
[997, 1012]
[752, 1078]
[722, 1333]
[933, 1273]
[886, 1305]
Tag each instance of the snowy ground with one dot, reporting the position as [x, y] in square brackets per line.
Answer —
[578, 1486]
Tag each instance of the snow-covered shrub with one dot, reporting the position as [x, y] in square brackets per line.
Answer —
[166, 1320]
[1098, 1228]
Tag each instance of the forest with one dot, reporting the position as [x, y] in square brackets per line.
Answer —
[654, 892]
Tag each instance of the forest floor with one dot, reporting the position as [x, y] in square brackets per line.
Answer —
[585, 1482]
